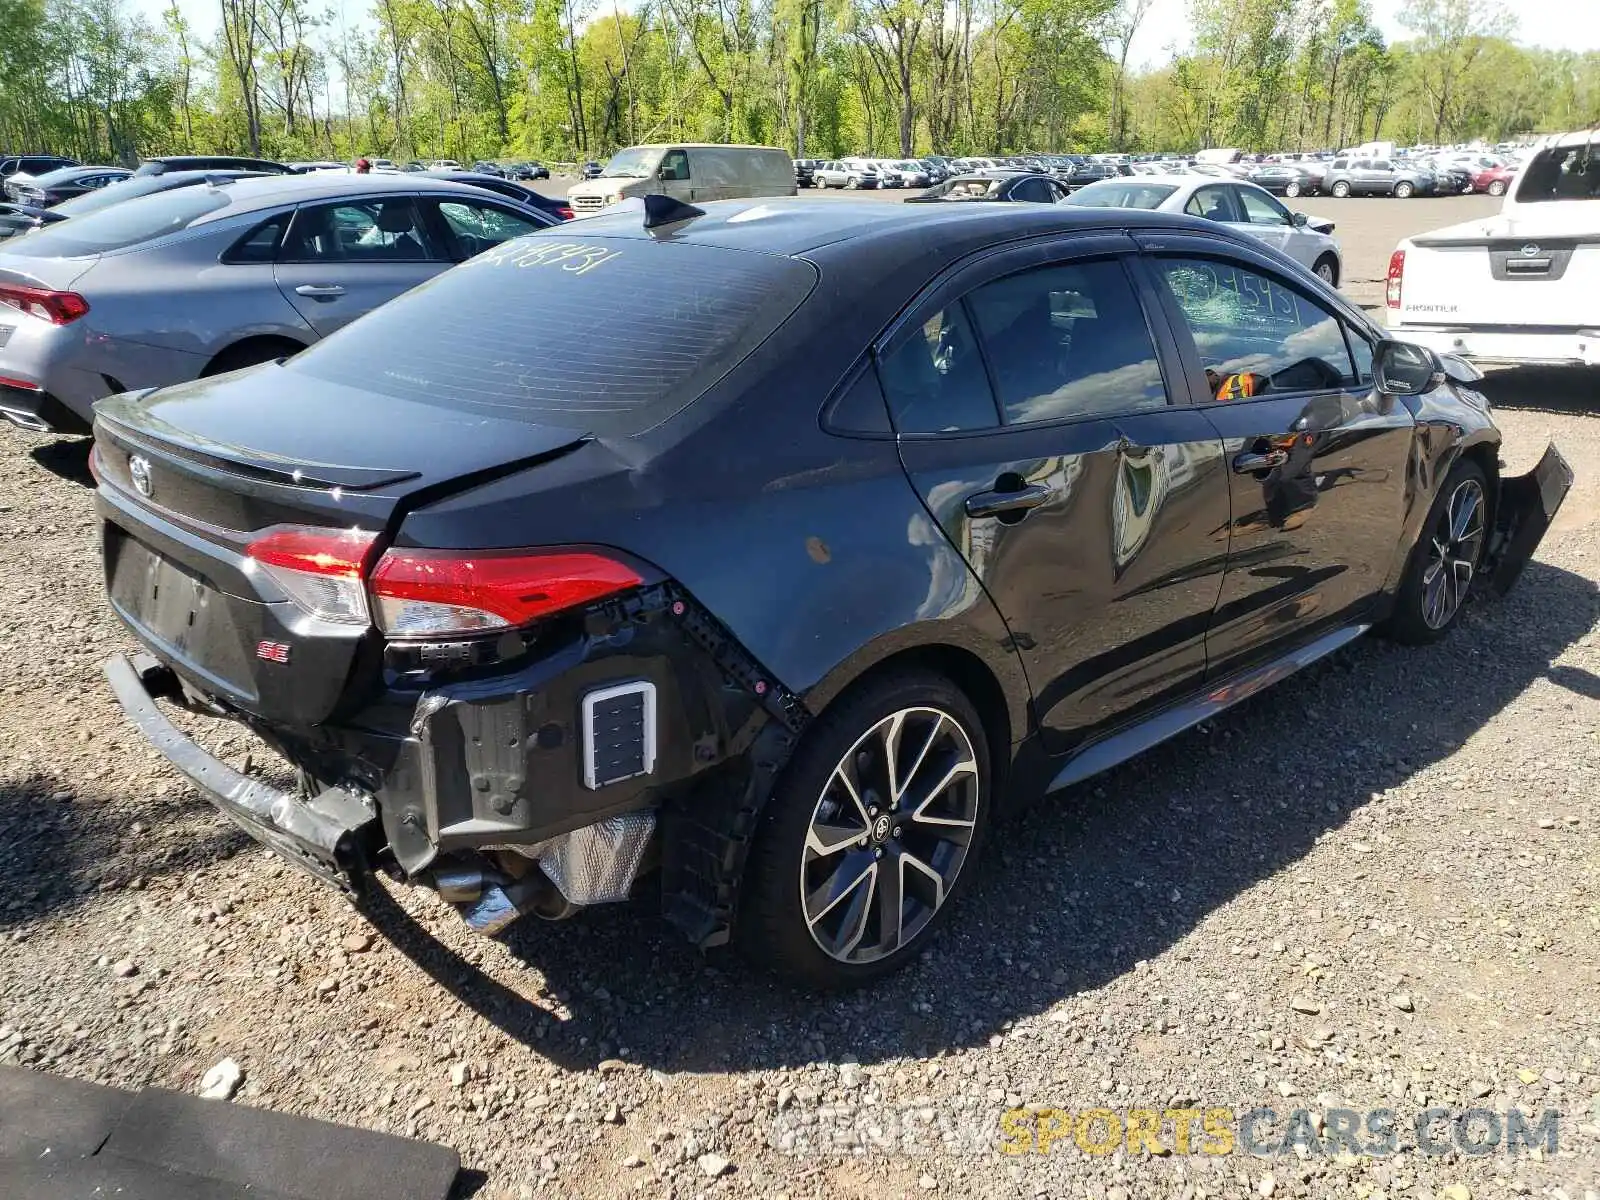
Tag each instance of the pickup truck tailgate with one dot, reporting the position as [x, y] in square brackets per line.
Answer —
[1489, 273]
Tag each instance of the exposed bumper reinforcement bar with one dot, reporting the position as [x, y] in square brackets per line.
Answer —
[327, 836]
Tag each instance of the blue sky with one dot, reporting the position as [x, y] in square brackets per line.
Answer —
[1573, 24]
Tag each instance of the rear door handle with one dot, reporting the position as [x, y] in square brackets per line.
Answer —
[320, 291]
[994, 504]
[1249, 463]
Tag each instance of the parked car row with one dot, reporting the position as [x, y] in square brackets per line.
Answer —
[200, 274]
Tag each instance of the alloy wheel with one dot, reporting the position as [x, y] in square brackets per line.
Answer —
[1325, 272]
[1453, 554]
[889, 835]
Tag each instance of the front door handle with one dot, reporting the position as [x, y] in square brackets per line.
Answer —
[994, 504]
[320, 291]
[1249, 463]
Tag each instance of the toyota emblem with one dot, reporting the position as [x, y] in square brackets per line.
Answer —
[139, 472]
[1530, 250]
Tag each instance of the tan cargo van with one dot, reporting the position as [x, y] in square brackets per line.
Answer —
[689, 172]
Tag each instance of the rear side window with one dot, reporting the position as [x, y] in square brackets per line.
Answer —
[609, 336]
[1561, 173]
[935, 382]
[1067, 341]
[143, 219]
[260, 245]
[359, 231]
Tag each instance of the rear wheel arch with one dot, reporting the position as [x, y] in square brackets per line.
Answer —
[968, 672]
[1002, 696]
[247, 352]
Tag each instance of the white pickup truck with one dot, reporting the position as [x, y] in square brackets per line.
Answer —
[1522, 286]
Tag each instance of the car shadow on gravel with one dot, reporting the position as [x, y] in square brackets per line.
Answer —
[1074, 892]
[61, 843]
[1566, 390]
[66, 457]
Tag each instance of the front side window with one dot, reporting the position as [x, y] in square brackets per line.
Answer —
[358, 231]
[1067, 341]
[1361, 350]
[1032, 191]
[1262, 209]
[675, 165]
[1212, 203]
[935, 382]
[477, 227]
[1256, 336]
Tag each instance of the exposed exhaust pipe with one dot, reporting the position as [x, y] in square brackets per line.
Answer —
[27, 421]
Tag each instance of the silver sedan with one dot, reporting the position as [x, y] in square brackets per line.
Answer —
[170, 287]
[1232, 202]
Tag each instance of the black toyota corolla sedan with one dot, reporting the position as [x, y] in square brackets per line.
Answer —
[766, 552]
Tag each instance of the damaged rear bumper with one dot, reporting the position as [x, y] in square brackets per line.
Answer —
[1527, 505]
[331, 835]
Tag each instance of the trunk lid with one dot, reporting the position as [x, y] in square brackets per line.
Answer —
[191, 475]
[1539, 268]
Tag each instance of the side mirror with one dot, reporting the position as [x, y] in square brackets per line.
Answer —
[1402, 369]
[1299, 220]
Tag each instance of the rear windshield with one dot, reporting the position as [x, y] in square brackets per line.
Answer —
[609, 336]
[113, 193]
[141, 219]
[1562, 173]
[1122, 195]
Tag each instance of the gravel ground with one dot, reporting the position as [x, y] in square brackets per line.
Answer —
[1379, 886]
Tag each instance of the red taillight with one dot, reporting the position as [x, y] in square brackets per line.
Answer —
[59, 308]
[318, 569]
[434, 593]
[20, 384]
[1397, 272]
[564, 213]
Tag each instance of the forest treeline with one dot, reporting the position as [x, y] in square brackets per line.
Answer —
[567, 79]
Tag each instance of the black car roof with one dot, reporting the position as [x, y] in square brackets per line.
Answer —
[795, 225]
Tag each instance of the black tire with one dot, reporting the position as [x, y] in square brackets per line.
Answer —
[1327, 263]
[1340, 190]
[249, 354]
[1411, 623]
[1497, 187]
[1403, 190]
[772, 926]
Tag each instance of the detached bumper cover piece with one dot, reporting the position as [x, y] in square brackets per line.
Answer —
[1528, 504]
[326, 836]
